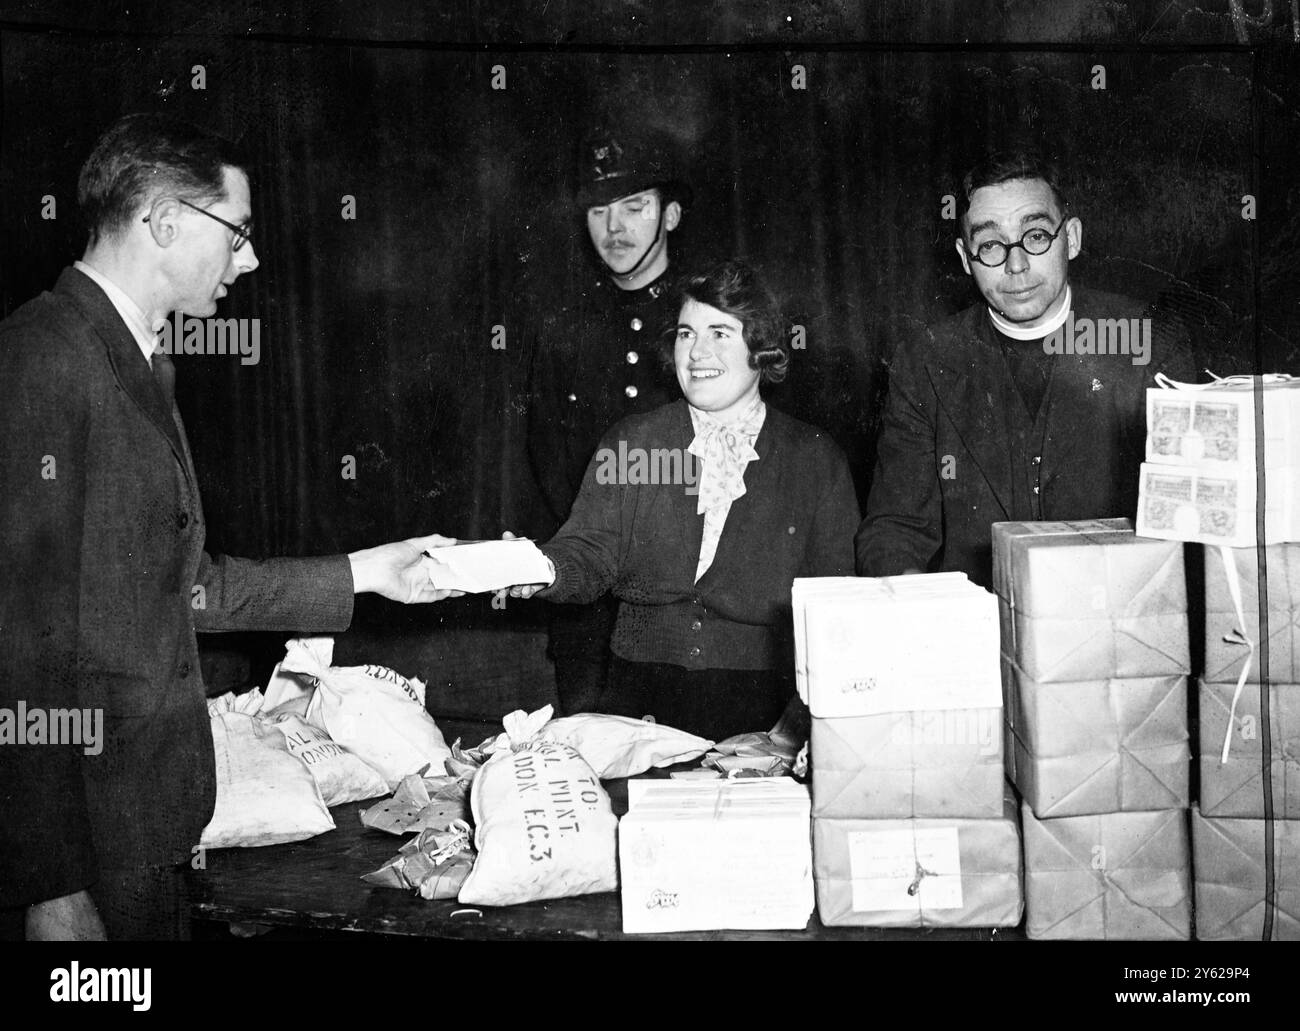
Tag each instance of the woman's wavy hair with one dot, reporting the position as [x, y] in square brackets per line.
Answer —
[735, 288]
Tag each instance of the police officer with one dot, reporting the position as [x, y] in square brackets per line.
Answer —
[598, 358]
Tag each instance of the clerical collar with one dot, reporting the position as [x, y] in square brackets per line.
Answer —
[1015, 332]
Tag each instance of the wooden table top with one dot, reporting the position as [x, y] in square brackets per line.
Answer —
[316, 884]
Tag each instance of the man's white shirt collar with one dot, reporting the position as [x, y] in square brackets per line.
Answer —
[1015, 332]
[131, 314]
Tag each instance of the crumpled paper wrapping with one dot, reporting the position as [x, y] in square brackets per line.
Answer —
[753, 754]
[420, 803]
[434, 864]
[778, 752]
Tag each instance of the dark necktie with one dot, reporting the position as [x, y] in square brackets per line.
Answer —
[164, 371]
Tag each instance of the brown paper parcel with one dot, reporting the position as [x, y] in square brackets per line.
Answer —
[918, 873]
[1224, 653]
[1229, 861]
[1236, 788]
[897, 765]
[1089, 600]
[1100, 746]
[1117, 876]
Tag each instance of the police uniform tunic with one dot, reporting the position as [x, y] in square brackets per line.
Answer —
[604, 356]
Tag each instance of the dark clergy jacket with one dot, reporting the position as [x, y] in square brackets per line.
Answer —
[958, 450]
[642, 542]
[103, 583]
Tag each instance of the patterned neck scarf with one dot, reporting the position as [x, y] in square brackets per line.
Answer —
[724, 450]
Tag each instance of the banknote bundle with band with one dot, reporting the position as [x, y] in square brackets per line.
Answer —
[701, 855]
[1208, 465]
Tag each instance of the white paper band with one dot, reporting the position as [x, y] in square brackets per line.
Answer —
[1237, 635]
[1221, 382]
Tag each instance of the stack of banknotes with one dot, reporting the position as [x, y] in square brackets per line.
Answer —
[1216, 455]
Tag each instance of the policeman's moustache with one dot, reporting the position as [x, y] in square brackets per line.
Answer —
[659, 228]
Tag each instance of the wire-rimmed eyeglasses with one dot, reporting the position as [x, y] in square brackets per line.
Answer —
[242, 233]
[994, 253]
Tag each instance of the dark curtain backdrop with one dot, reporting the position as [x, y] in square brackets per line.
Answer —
[377, 332]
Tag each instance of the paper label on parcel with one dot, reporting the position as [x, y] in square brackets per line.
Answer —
[905, 869]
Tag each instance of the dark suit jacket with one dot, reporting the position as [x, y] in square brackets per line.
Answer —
[642, 541]
[104, 581]
[957, 451]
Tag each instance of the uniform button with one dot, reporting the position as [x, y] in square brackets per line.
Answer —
[630, 390]
[695, 652]
[1037, 490]
[1038, 459]
[183, 669]
[636, 325]
[573, 397]
[182, 519]
[633, 357]
[697, 625]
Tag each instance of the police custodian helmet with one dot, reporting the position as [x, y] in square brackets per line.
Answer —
[615, 163]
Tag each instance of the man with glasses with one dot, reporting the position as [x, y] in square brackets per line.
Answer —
[103, 575]
[993, 414]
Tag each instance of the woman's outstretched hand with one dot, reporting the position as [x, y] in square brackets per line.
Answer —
[527, 590]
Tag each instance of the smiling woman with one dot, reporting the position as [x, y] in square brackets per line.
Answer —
[728, 341]
[702, 567]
